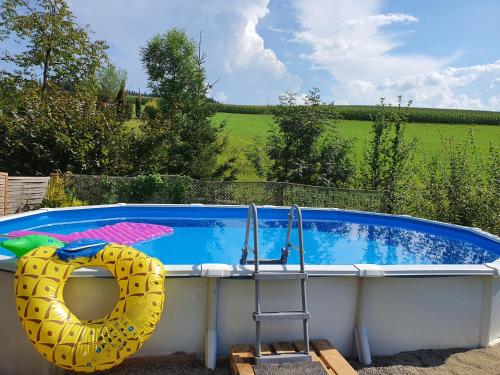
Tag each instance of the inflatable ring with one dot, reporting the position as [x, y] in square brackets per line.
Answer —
[89, 345]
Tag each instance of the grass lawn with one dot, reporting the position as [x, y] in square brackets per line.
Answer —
[242, 130]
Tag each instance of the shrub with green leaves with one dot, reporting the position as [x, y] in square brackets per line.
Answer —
[152, 188]
[388, 156]
[61, 131]
[256, 155]
[141, 189]
[151, 108]
[109, 82]
[459, 187]
[59, 193]
[297, 150]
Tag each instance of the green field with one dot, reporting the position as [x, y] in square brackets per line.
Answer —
[242, 129]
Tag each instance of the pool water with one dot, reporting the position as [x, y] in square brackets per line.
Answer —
[330, 242]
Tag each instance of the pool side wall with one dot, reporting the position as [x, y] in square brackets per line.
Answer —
[401, 314]
[404, 307]
[494, 317]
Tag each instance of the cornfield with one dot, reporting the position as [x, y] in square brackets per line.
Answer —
[366, 113]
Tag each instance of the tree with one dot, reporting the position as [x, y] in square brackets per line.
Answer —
[175, 71]
[387, 157]
[190, 143]
[109, 82]
[138, 107]
[123, 107]
[306, 147]
[55, 46]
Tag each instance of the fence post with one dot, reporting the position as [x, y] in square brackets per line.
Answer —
[4, 181]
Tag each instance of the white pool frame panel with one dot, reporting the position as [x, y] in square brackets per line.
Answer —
[209, 307]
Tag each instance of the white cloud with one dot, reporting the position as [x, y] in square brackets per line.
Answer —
[362, 86]
[220, 97]
[494, 103]
[451, 77]
[247, 71]
[277, 29]
[381, 20]
[249, 49]
[441, 89]
[494, 82]
[348, 39]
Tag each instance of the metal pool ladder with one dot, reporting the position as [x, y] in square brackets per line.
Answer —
[258, 275]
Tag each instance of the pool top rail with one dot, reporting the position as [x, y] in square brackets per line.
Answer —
[237, 270]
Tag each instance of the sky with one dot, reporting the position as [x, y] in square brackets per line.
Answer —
[442, 53]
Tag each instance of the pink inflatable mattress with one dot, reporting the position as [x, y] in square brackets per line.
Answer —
[121, 233]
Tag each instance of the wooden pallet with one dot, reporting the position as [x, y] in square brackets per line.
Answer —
[241, 356]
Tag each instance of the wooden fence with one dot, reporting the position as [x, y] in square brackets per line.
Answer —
[19, 194]
[3, 193]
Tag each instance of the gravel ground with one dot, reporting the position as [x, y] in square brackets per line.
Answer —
[422, 362]
[437, 362]
[159, 368]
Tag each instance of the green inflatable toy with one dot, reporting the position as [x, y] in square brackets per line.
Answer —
[23, 245]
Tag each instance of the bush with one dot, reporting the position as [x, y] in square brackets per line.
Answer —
[458, 187]
[9, 96]
[181, 189]
[141, 189]
[151, 108]
[61, 131]
[152, 188]
[335, 167]
[59, 193]
[109, 82]
[299, 151]
[387, 158]
[256, 155]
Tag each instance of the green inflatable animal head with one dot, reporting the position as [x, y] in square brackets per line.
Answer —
[23, 245]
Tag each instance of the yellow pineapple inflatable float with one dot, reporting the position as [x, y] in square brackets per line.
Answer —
[89, 345]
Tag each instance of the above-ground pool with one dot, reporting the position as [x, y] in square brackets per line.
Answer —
[395, 283]
[331, 237]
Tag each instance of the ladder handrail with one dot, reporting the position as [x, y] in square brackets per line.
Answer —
[300, 233]
[252, 214]
[288, 245]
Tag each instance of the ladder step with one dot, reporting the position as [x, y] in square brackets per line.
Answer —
[279, 275]
[281, 316]
[266, 261]
[283, 358]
